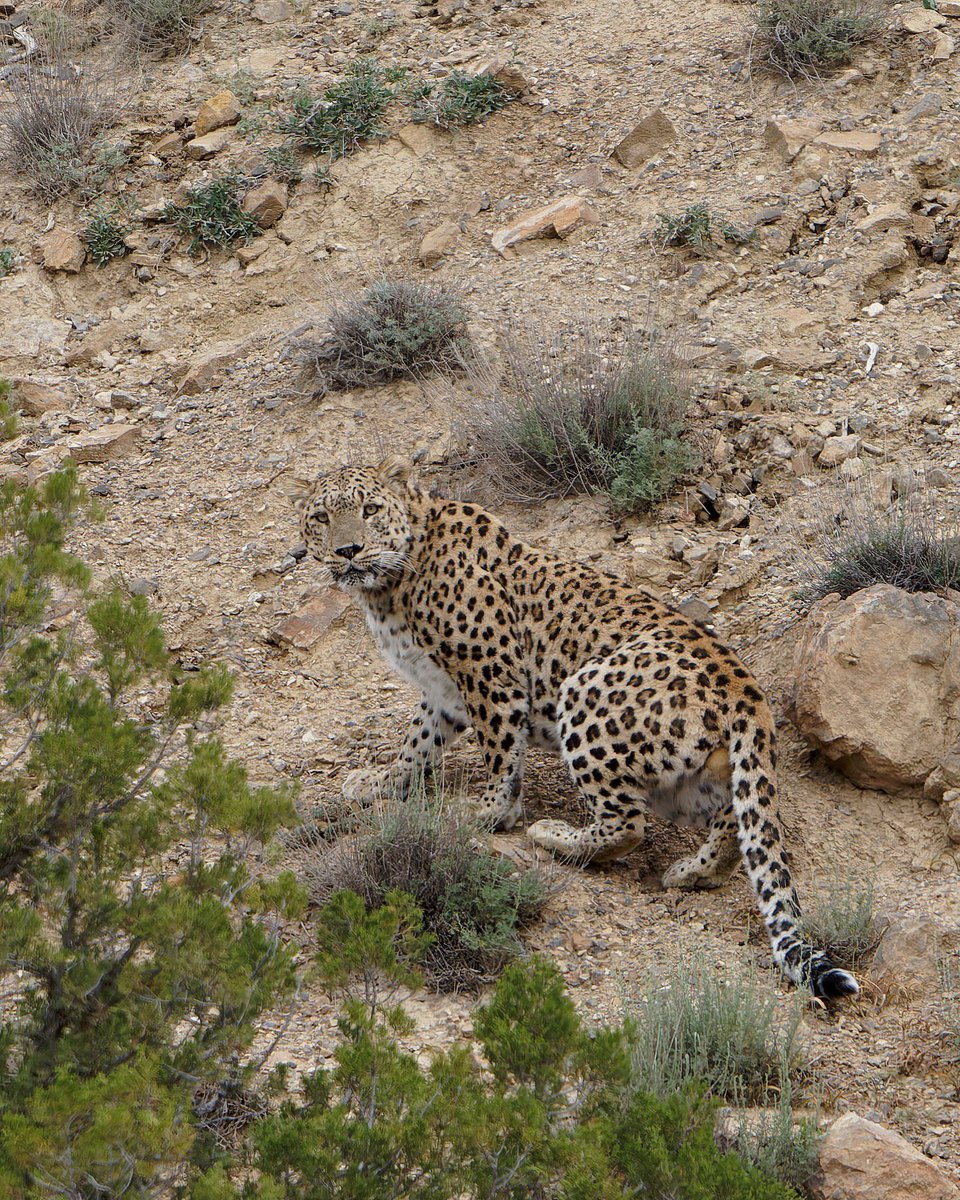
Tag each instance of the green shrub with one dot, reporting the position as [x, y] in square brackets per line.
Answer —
[8, 411]
[724, 1030]
[104, 236]
[862, 534]
[211, 214]
[395, 330]
[839, 916]
[698, 229]
[159, 26]
[806, 37]
[8, 260]
[346, 115]
[473, 901]
[583, 413]
[461, 99]
[142, 948]
[780, 1146]
[284, 164]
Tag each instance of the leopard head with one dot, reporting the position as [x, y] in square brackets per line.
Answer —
[356, 523]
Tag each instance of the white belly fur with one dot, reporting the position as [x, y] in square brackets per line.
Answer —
[413, 664]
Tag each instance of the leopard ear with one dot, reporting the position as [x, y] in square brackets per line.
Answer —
[395, 468]
[299, 491]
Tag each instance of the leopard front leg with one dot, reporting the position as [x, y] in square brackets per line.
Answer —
[430, 730]
[500, 720]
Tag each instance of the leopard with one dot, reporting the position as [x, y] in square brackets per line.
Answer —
[650, 711]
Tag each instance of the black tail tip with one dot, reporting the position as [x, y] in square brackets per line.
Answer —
[831, 983]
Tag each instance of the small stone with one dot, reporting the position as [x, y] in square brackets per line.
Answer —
[170, 144]
[435, 245]
[201, 554]
[929, 106]
[270, 12]
[852, 469]
[555, 220]
[646, 140]
[63, 251]
[923, 20]
[943, 46]
[837, 449]
[222, 109]
[206, 370]
[201, 148]
[853, 142]
[505, 72]
[875, 309]
[884, 217]
[304, 628]
[937, 477]
[788, 136]
[266, 203]
[953, 823]
[100, 445]
[144, 587]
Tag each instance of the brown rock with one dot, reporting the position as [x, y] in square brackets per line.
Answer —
[788, 136]
[304, 628]
[207, 369]
[222, 109]
[943, 46]
[838, 449]
[63, 251]
[201, 148]
[418, 138]
[877, 684]
[34, 398]
[266, 203]
[860, 1160]
[906, 961]
[646, 140]
[436, 244]
[506, 73]
[953, 818]
[170, 144]
[854, 142]
[884, 217]
[272, 11]
[99, 445]
[949, 8]
[923, 20]
[556, 220]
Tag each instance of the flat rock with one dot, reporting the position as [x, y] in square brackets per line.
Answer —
[34, 398]
[270, 12]
[884, 217]
[906, 961]
[949, 8]
[436, 244]
[207, 369]
[877, 684]
[788, 135]
[63, 250]
[860, 1160]
[923, 20]
[646, 140]
[201, 148]
[854, 142]
[838, 449]
[555, 220]
[418, 138]
[222, 109]
[943, 46]
[304, 628]
[267, 202]
[100, 445]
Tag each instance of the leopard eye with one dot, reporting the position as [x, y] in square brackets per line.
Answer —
[322, 517]
[370, 509]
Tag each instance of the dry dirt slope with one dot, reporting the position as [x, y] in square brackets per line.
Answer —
[782, 332]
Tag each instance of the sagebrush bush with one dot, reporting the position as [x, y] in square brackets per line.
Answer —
[104, 235]
[722, 1029]
[212, 215]
[396, 329]
[159, 26]
[48, 130]
[806, 37]
[839, 917]
[346, 115]
[8, 412]
[284, 163]
[582, 412]
[460, 99]
[8, 260]
[867, 533]
[474, 902]
[698, 228]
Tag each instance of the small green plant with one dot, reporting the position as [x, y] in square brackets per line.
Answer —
[395, 329]
[8, 413]
[780, 1145]
[8, 260]
[345, 116]
[158, 26]
[104, 235]
[473, 901]
[212, 214]
[379, 27]
[322, 175]
[243, 83]
[461, 99]
[698, 229]
[861, 536]
[723, 1030]
[584, 412]
[839, 916]
[806, 37]
[284, 163]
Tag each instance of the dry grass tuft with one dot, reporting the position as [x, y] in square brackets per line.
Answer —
[804, 38]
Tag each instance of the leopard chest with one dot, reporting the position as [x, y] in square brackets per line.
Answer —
[398, 646]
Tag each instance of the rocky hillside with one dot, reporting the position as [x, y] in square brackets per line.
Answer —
[823, 340]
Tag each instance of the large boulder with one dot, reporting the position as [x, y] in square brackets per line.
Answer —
[860, 1160]
[877, 684]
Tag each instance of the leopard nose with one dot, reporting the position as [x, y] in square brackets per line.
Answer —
[349, 551]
